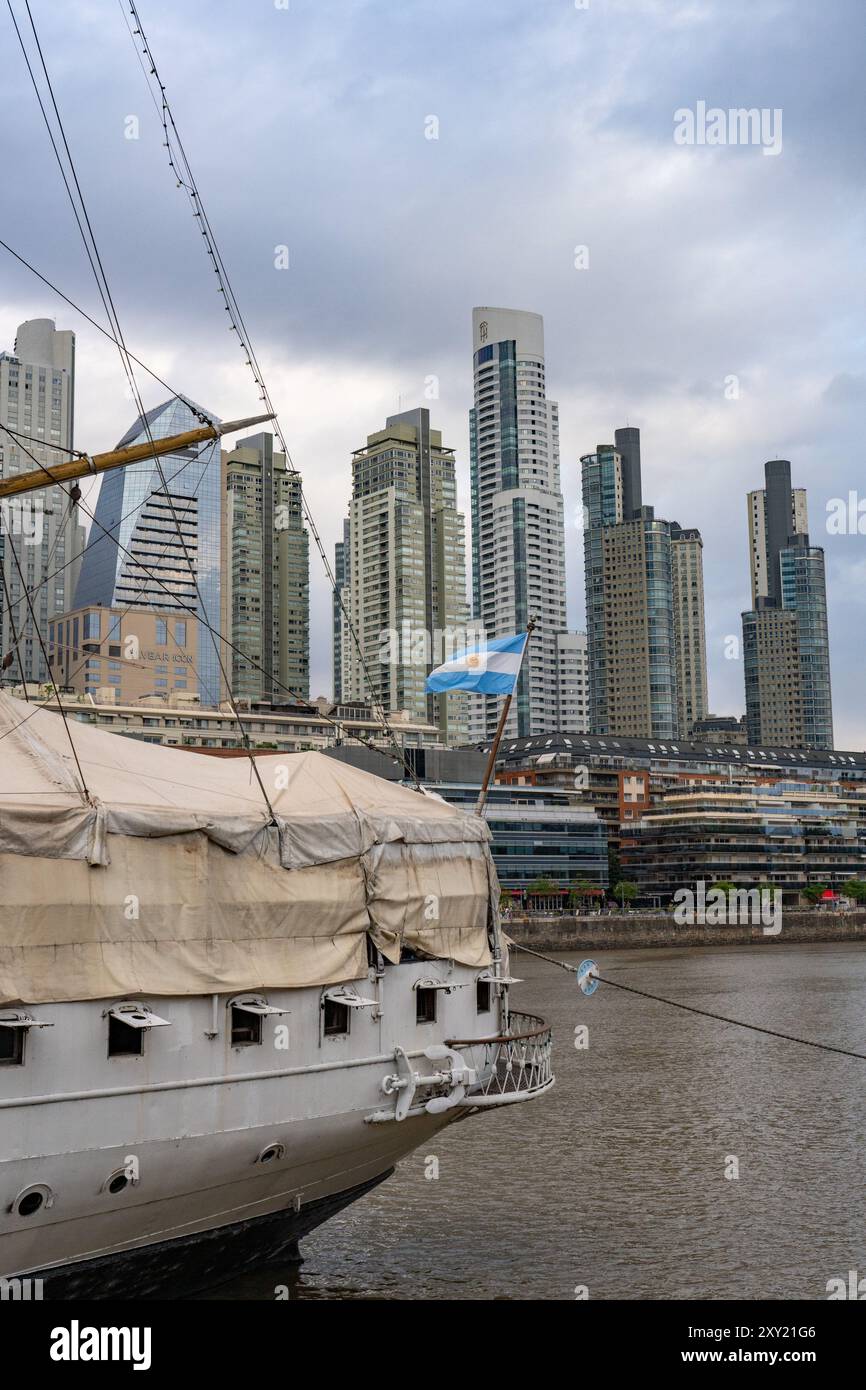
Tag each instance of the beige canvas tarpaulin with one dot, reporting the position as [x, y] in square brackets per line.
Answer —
[169, 877]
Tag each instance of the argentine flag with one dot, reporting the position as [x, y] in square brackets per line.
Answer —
[491, 668]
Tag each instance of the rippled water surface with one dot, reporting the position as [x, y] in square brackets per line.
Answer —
[616, 1179]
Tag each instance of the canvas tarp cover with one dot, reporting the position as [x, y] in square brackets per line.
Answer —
[170, 877]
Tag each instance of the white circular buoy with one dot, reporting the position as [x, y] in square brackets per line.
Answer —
[585, 972]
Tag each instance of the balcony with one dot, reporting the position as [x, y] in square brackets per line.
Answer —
[510, 1067]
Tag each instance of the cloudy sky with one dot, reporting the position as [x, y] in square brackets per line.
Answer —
[718, 304]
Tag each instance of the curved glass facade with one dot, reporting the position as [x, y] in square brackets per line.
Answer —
[162, 549]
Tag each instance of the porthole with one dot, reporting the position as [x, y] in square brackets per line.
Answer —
[271, 1153]
[116, 1182]
[32, 1200]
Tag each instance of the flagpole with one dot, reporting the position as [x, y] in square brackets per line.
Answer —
[494, 747]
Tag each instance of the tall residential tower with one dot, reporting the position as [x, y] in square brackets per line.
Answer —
[786, 650]
[266, 578]
[405, 573]
[644, 604]
[518, 538]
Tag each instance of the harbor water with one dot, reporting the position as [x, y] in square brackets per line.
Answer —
[676, 1157]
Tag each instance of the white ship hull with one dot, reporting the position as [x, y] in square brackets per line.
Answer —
[223, 1154]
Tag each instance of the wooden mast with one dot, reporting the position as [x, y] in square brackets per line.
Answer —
[119, 458]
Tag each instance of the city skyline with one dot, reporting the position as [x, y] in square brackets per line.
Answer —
[741, 341]
[769, 524]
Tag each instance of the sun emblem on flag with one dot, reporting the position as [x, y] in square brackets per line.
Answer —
[473, 661]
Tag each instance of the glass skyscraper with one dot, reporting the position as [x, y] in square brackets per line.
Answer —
[163, 547]
[786, 648]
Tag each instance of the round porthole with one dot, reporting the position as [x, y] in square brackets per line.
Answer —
[118, 1182]
[271, 1153]
[32, 1200]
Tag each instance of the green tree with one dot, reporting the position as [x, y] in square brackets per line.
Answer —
[542, 885]
[725, 886]
[624, 891]
[581, 889]
[814, 892]
[855, 888]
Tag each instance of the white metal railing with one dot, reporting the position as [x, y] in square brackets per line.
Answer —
[512, 1066]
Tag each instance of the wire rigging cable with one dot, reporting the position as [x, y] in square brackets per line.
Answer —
[172, 390]
[100, 276]
[691, 1008]
[157, 579]
[22, 260]
[180, 167]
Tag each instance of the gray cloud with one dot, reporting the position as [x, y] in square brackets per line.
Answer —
[307, 128]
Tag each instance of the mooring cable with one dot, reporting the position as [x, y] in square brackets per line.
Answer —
[688, 1008]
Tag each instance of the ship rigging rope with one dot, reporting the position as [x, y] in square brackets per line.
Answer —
[254, 665]
[28, 593]
[301, 699]
[148, 573]
[400, 757]
[22, 260]
[108, 303]
[690, 1008]
[180, 167]
[85, 791]
[15, 638]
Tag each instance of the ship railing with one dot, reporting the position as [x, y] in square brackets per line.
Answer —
[512, 1066]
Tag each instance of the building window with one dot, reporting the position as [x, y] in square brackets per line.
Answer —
[336, 1019]
[161, 632]
[482, 997]
[425, 1006]
[92, 626]
[180, 633]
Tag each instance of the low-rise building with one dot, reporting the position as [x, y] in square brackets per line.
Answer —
[788, 836]
[121, 655]
[539, 834]
[179, 721]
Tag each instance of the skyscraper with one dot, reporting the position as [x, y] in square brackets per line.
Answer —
[162, 542]
[406, 573]
[786, 652]
[518, 538]
[757, 510]
[266, 578]
[644, 603]
[687, 574]
[342, 562]
[37, 398]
